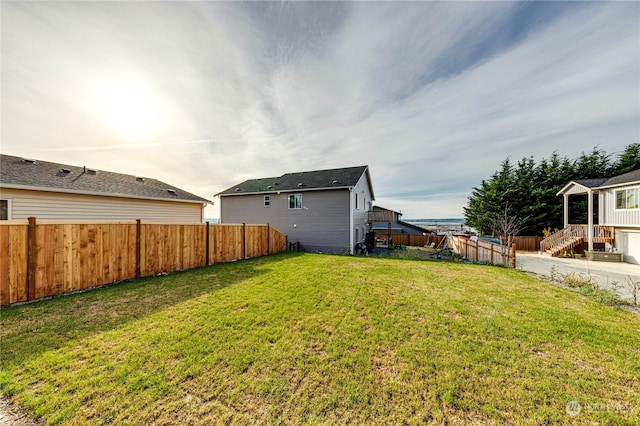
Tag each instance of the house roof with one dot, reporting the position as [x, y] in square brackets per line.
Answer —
[22, 173]
[602, 183]
[302, 181]
[623, 179]
[590, 183]
[385, 209]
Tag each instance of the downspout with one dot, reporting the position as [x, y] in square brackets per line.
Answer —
[590, 220]
[351, 202]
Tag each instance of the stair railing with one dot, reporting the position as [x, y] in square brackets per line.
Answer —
[562, 237]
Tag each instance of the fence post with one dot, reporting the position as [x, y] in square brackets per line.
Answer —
[31, 259]
[513, 256]
[206, 245]
[138, 247]
[244, 240]
[268, 239]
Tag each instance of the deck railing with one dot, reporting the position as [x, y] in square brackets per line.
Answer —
[572, 233]
[380, 216]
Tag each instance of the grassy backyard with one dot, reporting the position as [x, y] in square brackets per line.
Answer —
[303, 338]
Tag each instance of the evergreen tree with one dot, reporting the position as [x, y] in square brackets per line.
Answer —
[530, 189]
[628, 161]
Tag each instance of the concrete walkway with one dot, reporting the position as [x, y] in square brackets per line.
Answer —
[608, 275]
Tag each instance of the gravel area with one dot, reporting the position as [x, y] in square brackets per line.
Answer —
[10, 415]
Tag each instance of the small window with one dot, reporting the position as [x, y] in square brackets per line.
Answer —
[356, 201]
[4, 209]
[267, 200]
[295, 201]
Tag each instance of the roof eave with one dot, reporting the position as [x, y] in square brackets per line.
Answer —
[103, 194]
[366, 171]
[324, 188]
[637, 182]
[567, 186]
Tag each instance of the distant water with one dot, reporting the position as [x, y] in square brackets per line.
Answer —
[444, 225]
[451, 220]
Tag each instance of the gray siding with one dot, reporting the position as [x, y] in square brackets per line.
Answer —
[321, 225]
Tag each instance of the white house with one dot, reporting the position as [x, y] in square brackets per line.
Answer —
[52, 191]
[618, 227]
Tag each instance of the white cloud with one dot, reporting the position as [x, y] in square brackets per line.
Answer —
[433, 96]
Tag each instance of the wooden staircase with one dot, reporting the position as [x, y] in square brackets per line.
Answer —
[566, 239]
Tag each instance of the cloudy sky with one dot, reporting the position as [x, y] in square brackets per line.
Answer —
[433, 96]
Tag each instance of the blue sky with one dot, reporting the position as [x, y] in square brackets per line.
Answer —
[433, 96]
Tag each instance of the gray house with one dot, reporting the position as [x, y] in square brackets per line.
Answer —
[618, 230]
[53, 191]
[324, 210]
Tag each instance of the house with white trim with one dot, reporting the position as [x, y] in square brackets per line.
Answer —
[52, 191]
[618, 227]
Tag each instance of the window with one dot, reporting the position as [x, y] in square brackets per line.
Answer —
[621, 200]
[632, 198]
[267, 200]
[295, 201]
[4, 209]
[356, 201]
[628, 198]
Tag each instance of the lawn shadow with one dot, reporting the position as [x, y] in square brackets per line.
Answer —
[30, 329]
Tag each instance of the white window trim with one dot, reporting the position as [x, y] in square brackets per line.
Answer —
[615, 198]
[289, 202]
[8, 200]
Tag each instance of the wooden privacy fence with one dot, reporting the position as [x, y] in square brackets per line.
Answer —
[527, 243]
[482, 251]
[42, 259]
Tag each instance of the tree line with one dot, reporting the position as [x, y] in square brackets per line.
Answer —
[526, 191]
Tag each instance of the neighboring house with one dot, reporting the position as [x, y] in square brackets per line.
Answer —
[324, 210]
[618, 229]
[395, 225]
[54, 191]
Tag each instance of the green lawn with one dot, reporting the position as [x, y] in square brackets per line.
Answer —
[307, 339]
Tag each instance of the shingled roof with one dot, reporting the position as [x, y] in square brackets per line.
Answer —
[623, 179]
[591, 183]
[22, 173]
[301, 181]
